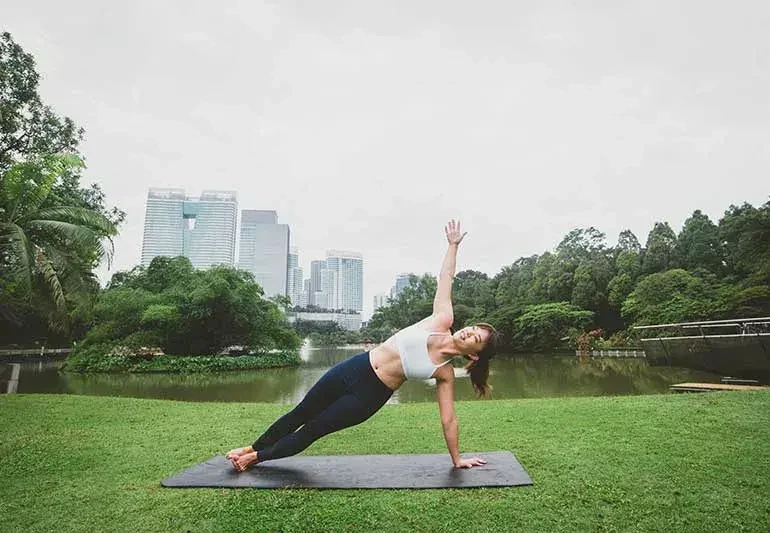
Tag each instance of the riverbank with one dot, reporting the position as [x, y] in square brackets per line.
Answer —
[118, 363]
[695, 462]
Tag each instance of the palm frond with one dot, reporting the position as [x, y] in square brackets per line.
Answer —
[14, 243]
[80, 216]
[77, 235]
[51, 278]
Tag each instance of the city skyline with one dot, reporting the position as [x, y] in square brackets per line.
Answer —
[207, 230]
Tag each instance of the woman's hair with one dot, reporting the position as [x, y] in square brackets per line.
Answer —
[479, 369]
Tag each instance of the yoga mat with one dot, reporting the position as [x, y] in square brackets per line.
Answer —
[357, 472]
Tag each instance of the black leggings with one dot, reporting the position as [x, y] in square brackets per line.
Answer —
[349, 393]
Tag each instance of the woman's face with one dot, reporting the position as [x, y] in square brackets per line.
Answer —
[471, 340]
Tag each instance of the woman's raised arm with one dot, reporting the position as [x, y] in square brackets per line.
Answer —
[442, 303]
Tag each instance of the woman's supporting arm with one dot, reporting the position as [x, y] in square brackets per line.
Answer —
[445, 395]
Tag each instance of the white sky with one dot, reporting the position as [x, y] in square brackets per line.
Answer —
[367, 125]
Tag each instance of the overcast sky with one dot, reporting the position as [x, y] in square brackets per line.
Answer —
[367, 125]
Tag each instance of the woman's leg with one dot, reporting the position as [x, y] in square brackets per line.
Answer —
[320, 396]
[349, 410]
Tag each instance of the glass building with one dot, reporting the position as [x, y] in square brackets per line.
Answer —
[345, 285]
[201, 229]
[264, 250]
[294, 290]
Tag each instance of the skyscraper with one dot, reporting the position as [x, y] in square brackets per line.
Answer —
[380, 300]
[202, 229]
[264, 250]
[346, 283]
[315, 274]
[402, 281]
[305, 295]
[294, 277]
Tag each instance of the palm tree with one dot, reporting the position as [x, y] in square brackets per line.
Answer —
[48, 251]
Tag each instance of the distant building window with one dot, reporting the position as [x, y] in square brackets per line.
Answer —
[189, 221]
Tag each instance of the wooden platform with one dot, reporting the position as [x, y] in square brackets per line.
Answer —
[707, 387]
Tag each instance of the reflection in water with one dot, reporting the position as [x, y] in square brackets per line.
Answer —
[511, 376]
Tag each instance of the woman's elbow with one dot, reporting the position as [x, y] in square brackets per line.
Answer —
[445, 318]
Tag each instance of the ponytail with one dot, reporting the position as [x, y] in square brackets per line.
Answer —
[478, 370]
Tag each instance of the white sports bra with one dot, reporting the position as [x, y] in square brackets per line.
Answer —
[412, 344]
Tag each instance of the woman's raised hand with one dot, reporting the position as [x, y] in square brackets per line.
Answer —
[453, 234]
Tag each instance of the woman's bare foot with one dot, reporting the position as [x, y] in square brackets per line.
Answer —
[235, 454]
[238, 452]
[244, 461]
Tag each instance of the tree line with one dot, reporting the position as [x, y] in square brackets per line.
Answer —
[546, 301]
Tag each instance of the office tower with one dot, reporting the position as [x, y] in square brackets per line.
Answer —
[402, 281]
[380, 300]
[315, 274]
[294, 277]
[346, 286]
[202, 229]
[264, 250]
[306, 294]
[326, 297]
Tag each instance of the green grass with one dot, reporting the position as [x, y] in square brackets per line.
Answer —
[696, 462]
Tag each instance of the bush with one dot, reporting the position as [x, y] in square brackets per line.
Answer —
[106, 358]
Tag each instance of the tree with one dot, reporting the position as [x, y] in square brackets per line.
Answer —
[581, 243]
[745, 232]
[541, 327]
[628, 266]
[698, 245]
[28, 129]
[627, 241]
[48, 252]
[39, 163]
[659, 251]
[676, 296]
[414, 303]
[186, 311]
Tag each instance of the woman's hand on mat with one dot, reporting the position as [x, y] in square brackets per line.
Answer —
[453, 233]
[468, 463]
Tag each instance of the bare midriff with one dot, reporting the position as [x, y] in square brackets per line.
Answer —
[387, 364]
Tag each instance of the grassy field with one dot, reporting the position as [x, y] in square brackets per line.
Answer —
[696, 462]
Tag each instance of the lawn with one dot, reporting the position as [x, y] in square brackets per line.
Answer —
[698, 462]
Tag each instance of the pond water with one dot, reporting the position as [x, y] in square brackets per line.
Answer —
[519, 376]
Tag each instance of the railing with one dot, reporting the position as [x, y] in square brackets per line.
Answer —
[42, 352]
[619, 352]
[744, 325]
[735, 347]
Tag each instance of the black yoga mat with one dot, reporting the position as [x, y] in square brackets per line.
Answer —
[357, 472]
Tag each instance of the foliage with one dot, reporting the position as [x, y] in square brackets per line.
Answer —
[542, 327]
[675, 296]
[708, 271]
[659, 251]
[48, 253]
[106, 358]
[53, 233]
[187, 311]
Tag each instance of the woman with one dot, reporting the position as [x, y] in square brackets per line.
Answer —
[355, 389]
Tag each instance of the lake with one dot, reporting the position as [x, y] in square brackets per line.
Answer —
[512, 376]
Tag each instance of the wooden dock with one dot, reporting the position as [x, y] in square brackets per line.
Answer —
[708, 387]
